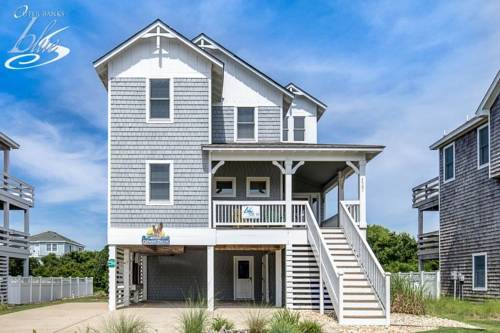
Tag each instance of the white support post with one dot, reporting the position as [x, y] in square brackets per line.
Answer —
[112, 280]
[438, 284]
[145, 278]
[321, 287]
[288, 193]
[279, 283]
[340, 187]
[362, 196]
[126, 277]
[388, 298]
[210, 278]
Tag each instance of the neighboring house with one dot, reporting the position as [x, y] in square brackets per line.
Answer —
[467, 195]
[15, 195]
[50, 242]
[217, 185]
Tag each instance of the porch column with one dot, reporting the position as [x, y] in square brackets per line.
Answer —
[112, 279]
[288, 193]
[145, 278]
[279, 283]
[6, 161]
[340, 188]
[362, 196]
[210, 278]
[27, 221]
[126, 277]
[26, 267]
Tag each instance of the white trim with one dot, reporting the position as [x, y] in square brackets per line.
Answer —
[214, 187]
[210, 111]
[444, 163]
[480, 254]
[210, 176]
[491, 96]
[235, 275]
[479, 165]
[301, 92]
[268, 187]
[256, 124]
[169, 120]
[171, 183]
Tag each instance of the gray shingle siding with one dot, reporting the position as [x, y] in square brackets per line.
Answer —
[495, 139]
[469, 219]
[133, 142]
[269, 124]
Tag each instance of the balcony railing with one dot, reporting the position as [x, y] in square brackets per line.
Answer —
[424, 192]
[428, 245]
[14, 239]
[17, 189]
[257, 213]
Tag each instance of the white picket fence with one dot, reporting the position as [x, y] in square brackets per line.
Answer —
[27, 290]
[431, 281]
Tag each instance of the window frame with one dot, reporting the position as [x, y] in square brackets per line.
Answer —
[451, 145]
[299, 129]
[216, 179]
[479, 165]
[268, 187]
[171, 101]
[51, 245]
[474, 255]
[285, 129]
[169, 202]
[256, 124]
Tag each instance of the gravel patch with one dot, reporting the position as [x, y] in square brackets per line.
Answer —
[399, 323]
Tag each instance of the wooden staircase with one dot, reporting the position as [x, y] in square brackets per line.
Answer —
[360, 303]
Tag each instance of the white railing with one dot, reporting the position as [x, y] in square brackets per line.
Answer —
[257, 213]
[27, 290]
[353, 209]
[332, 278]
[14, 239]
[17, 188]
[379, 280]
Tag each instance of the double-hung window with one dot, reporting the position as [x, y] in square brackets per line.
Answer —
[51, 247]
[159, 182]
[299, 128]
[246, 124]
[159, 101]
[449, 162]
[483, 146]
[285, 129]
[479, 272]
[258, 187]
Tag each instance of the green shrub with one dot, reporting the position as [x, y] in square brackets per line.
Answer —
[256, 322]
[406, 297]
[310, 326]
[286, 316]
[124, 324]
[194, 320]
[463, 310]
[219, 323]
[283, 327]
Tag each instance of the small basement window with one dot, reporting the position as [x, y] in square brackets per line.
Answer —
[159, 182]
[479, 272]
[258, 187]
[299, 128]
[159, 100]
[449, 162]
[225, 187]
[483, 146]
[245, 124]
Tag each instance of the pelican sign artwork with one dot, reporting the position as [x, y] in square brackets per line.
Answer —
[155, 235]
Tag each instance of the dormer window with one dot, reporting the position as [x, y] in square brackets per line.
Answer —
[246, 129]
[299, 128]
[159, 101]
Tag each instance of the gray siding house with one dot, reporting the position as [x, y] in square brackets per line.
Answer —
[50, 242]
[217, 186]
[467, 195]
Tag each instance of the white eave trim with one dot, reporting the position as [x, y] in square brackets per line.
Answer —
[457, 132]
[490, 97]
[301, 92]
[158, 23]
[243, 63]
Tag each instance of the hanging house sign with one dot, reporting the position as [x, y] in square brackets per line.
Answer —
[250, 212]
[155, 235]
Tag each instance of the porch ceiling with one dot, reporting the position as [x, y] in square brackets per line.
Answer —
[319, 173]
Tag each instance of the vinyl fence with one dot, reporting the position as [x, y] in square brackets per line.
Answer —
[431, 281]
[27, 290]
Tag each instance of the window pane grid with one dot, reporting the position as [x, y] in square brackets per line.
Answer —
[159, 182]
[159, 99]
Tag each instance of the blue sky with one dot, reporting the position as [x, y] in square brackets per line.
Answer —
[396, 73]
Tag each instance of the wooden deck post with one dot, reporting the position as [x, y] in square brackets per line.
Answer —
[126, 277]
[210, 278]
[279, 283]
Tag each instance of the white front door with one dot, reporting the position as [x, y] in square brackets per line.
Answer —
[243, 277]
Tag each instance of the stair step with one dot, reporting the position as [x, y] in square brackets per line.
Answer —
[360, 298]
[344, 258]
[350, 263]
[335, 247]
[333, 236]
[361, 313]
[356, 283]
[351, 269]
[357, 290]
[361, 305]
[341, 252]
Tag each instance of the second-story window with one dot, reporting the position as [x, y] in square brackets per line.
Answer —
[159, 179]
[483, 145]
[159, 100]
[245, 124]
[449, 162]
[285, 129]
[299, 128]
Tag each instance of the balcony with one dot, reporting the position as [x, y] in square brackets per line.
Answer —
[426, 195]
[428, 245]
[13, 241]
[268, 214]
[17, 190]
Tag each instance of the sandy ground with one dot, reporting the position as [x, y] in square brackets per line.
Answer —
[163, 317]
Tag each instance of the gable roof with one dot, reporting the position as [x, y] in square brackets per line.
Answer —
[296, 90]
[52, 236]
[203, 41]
[100, 64]
[469, 125]
[490, 97]
[7, 142]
